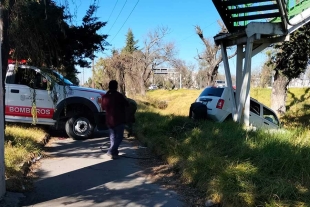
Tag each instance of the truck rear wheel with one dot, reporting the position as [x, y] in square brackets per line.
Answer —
[79, 127]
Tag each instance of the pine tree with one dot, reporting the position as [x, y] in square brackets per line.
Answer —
[130, 43]
[61, 45]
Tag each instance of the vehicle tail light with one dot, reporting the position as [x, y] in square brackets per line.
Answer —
[220, 104]
[99, 101]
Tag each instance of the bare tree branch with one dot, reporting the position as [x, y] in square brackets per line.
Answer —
[211, 58]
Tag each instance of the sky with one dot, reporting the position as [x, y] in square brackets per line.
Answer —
[144, 16]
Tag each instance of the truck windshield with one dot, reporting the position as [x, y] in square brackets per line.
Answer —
[62, 79]
[58, 78]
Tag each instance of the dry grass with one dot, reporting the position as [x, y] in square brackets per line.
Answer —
[22, 144]
[230, 165]
[178, 101]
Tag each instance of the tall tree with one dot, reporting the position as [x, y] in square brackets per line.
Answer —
[154, 54]
[134, 69]
[131, 43]
[39, 32]
[111, 68]
[5, 8]
[124, 60]
[211, 58]
[290, 61]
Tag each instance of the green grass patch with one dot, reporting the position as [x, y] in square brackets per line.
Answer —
[21, 144]
[230, 165]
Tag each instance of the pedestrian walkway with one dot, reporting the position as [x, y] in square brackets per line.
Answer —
[77, 173]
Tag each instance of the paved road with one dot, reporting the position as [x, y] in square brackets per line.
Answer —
[79, 174]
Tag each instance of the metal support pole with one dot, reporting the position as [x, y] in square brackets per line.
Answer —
[244, 102]
[2, 166]
[228, 78]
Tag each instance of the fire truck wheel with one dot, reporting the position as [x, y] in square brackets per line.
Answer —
[79, 127]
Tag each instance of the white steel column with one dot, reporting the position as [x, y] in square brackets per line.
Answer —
[244, 102]
[228, 78]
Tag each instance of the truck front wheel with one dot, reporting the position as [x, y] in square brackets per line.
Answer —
[79, 127]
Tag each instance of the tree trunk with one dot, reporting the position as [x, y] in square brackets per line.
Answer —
[279, 93]
[142, 87]
[121, 80]
[5, 47]
[3, 26]
[214, 74]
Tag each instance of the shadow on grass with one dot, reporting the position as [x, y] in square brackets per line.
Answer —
[292, 121]
[296, 100]
[232, 166]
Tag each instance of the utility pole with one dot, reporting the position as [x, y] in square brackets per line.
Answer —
[2, 166]
[83, 76]
[93, 71]
[180, 80]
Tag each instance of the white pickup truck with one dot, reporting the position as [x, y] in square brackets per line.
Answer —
[43, 96]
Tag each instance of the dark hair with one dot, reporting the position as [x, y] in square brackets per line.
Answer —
[113, 85]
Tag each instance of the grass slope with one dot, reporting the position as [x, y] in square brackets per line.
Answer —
[232, 166]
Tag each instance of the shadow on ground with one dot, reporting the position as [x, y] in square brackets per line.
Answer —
[77, 173]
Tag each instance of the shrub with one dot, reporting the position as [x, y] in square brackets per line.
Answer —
[161, 104]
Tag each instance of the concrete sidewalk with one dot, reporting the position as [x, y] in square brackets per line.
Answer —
[77, 173]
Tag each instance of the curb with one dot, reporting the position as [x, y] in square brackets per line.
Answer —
[26, 166]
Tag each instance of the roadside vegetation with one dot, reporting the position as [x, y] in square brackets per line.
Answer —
[229, 165]
[232, 166]
[23, 145]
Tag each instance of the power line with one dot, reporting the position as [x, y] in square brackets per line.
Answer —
[118, 16]
[126, 20]
[112, 11]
